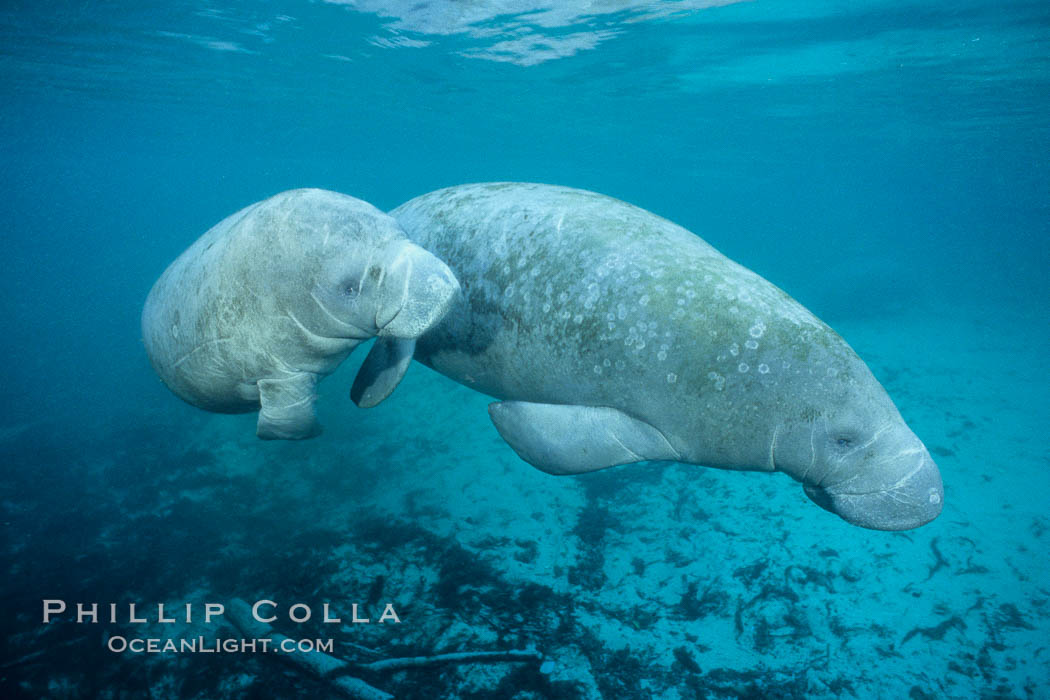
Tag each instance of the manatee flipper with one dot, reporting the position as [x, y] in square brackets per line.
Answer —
[382, 370]
[287, 408]
[567, 439]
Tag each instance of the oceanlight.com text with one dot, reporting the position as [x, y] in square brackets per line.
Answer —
[201, 645]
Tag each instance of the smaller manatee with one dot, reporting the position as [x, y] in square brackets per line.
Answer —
[273, 298]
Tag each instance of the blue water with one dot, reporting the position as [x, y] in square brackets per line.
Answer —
[886, 163]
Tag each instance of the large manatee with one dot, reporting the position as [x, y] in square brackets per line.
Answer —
[273, 298]
[612, 336]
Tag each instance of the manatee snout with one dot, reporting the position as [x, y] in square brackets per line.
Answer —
[418, 291]
[904, 503]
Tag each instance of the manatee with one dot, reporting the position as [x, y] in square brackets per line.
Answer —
[612, 336]
[273, 298]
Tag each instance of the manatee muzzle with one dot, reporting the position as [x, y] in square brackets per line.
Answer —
[912, 501]
[417, 291]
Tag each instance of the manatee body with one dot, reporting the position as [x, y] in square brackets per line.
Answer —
[611, 336]
[274, 297]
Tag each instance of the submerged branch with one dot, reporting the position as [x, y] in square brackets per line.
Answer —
[322, 665]
[338, 673]
[454, 658]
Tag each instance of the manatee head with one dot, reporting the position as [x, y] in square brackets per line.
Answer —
[843, 438]
[352, 274]
[393, 289]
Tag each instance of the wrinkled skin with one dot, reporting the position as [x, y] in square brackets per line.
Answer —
[276, 296]
[611, 336]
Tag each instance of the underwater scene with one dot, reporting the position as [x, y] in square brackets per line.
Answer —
[437, 349]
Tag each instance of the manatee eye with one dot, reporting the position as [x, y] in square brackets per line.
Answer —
[844, 441]
[349, 289]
